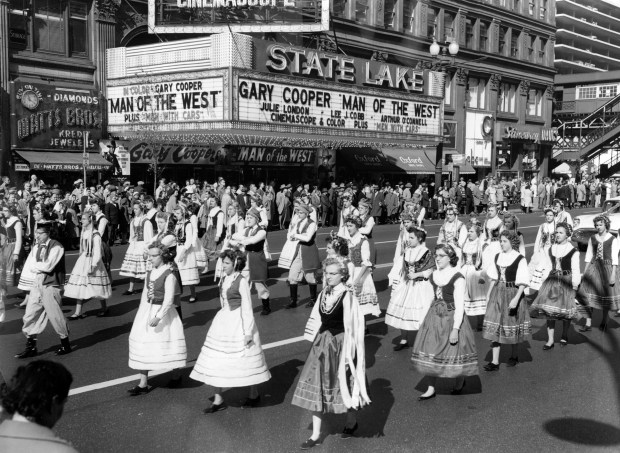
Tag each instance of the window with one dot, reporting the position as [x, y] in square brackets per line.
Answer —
[534, 102]
[431, 23]
[409, 7]
[51, 26]
[483, 40]
[339, 7]
[516, 6]
[503, 31]
[514, 44]
[531, 7]
[389, 13]
[361, 11]
[543, 9]
[542, 50]
[507, 97]
[608, 91]
[469, 33]
[586, 93]
[476, 98]
[448, 26]
[529, 42]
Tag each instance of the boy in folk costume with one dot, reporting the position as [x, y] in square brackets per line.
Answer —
[306, 261]
[44, 301]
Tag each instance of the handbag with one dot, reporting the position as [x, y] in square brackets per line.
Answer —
[288, 254]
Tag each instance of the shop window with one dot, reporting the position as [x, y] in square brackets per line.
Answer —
[514, 43]
[469, 33]
[339, 7]
[608, 91]
[503, 36]
[51, 26]
[534, 102]
[448, 26]
[477, 91]
[586, 93]
[483, 32]
[507, 97]
[431, 22]
[389, 13]
[361, 11]
[543, 9]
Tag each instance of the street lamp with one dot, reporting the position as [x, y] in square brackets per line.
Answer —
[445, 56]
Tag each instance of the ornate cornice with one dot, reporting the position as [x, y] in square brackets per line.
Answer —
[524, 87]
[461, 76]
[494, 81]
[106, 9]
[549, 91]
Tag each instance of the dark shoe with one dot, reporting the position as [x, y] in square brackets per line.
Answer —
[424, 398]
[585, 329]
[26, 353]
[310, 443]
[102, 313]
[293, 304]
[456, 391]
[129, 293]
[215, 408]
[65, 347]
[348, 432]
[266, 307]
[491, 367]
[602, 327]
[512, 361]
[137, 390]
[547, 347]
[175, 383]
[310, 303]
[564, 342]
[75, 317]
[251, 402]
[401, 346]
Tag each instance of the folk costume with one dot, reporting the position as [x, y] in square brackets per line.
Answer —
[359, 255]
[368, 224]
[476, 281]
[454, 234]
[306, 261]
[213, 239]
[342, 220]
[89, 277]
[602, 255]
[490, 233]
[186, 258]
[140, 233]
[544, 239]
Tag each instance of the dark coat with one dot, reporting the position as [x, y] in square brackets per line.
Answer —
[112, 213]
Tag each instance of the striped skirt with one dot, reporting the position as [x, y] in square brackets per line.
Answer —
[476, 295]
[156, 348]
[409, 304]
[83, 285]
[556, 298]
[188, 267]
[367, 296]
[134, 263]
[432, 353]
[595, 291]
[500, 323]
[224, 359]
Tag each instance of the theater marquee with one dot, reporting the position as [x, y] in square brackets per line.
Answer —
[239, 16]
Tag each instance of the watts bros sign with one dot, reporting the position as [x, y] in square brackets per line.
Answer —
[268, 102]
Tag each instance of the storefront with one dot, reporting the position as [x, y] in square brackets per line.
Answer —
[523, 150]
[263, 111]
[52, 126]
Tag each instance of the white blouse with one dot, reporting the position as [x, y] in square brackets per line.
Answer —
[615, 249]
[560, 251]
[505, 260]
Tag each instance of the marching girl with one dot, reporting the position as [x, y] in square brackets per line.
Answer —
[401, 242]
[201, 257]
[347, 211]
[157, 340]
[493, 226]
[166, 224]
[507, 320]
[511, 223]
[256, 202]
[333, 380]
[544, 239]
[418, 213]
[134, 263]
[256, 269]
[556, 298]
[359, 253]
[560, 214]
[453, 231]
[412, 297]
[234, 223]
[339, 247]
[28, 277]
[13, 252]
[305, 199]
[232, 355]
[368, 223]
[186, 259]
[476, 280]
[89, 277]
[445, 346]
[215, 230]
[151, 211]
[600, 286]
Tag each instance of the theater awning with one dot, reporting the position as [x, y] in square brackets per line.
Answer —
[410, 161]
[62, 161]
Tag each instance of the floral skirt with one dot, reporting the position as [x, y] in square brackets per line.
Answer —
[432, 353]
[595, 291]
[318, 389]
[556, 298]
[500, 323]
[409, 304]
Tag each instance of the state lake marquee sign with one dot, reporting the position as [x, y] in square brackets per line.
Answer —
[306, 105]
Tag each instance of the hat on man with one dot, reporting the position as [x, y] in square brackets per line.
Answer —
[56, 191]
[303, 207]
[140, 183]
[342, 185]
[282, 186]
[288, 186]
[408, 185]
[106, 183]
[126, 183]
[254, 213]
[78, 182]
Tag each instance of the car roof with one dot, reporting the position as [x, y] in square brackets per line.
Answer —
[613, 199]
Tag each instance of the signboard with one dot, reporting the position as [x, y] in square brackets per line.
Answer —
[66, 166]
[275, 156]
[238, 16]
[167, 105]
[527, 133]
[173, 154]
[18, 36]
[49, 117]
[450, 129]
[307, 106]
[458, 159]
[477, 146]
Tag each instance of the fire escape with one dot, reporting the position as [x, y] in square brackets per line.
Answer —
[586, 138]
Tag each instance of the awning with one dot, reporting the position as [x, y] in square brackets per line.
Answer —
[62, 161]
[464, 169]
[410, 161]
[562, 169]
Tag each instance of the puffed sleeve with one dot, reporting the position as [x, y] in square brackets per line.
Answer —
[491, 269]
[459, 302]
[462, 236]
[521, 245]
[169, 290]
[523, 274]
[247, 315]
[575, 271]
[589, 252]
[96, 249]
[615, 248]
[366, 254]
[148, 231]
[367, 228]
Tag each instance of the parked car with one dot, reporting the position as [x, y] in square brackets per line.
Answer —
[584, 224]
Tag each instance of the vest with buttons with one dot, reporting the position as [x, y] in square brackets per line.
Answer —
[57, 275]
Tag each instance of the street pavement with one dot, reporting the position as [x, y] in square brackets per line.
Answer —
[566, 399]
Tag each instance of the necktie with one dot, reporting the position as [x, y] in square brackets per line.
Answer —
[40, 250]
